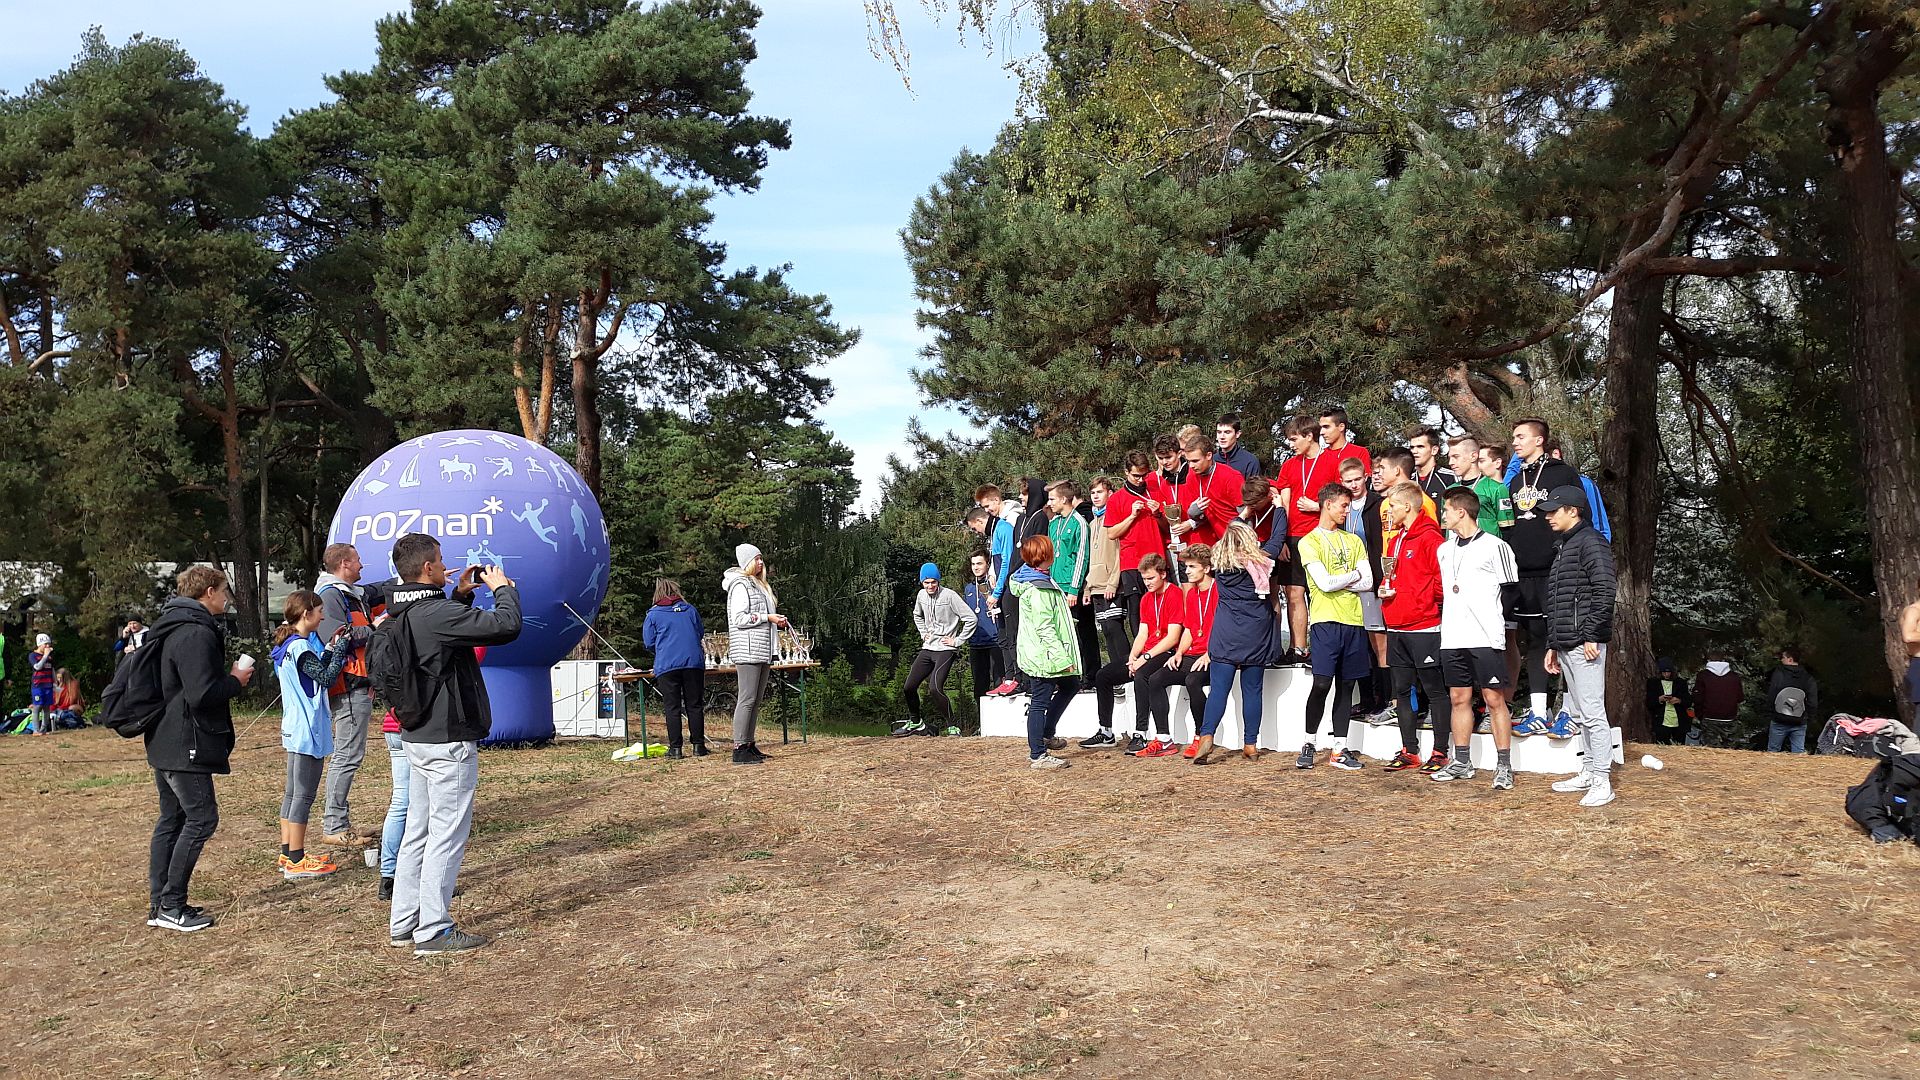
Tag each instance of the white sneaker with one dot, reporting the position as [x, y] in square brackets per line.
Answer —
[1579, 781]
[1600, 794]
[1048, 761]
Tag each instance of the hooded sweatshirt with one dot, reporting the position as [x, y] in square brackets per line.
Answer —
[1047, 646]
[1415, 556]
[1798, 677]
[750, 632]
[445, 629]
[1717, 691]
[195, 733]
[672, 633]
[942, 615]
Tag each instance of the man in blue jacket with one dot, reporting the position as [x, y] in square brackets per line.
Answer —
[1000, 556]
[983, 647]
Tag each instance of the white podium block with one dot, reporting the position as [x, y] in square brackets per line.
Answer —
[1282, 726]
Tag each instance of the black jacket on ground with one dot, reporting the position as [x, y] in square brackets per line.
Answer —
[1530, 537]
[1783, 677]
[1580, 589]
[445, 630]
[195, 734]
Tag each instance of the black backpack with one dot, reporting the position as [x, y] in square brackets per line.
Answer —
[393, 667]
[134, 701]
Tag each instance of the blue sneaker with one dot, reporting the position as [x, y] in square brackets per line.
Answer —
[1530, 725]
[1562, 726]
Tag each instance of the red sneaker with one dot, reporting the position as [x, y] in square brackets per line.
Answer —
[1004, 689]
[1435, 762]
[1192, 749]
[1161, 748]
[1403, 760]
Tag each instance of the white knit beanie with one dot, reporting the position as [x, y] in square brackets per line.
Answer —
[744, 555]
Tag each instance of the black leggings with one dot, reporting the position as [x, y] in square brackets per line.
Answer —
[1116, 675]
[930, 666]
[1184, 675]
[1317, 704]
[983, 661]
[1433, 690]
[1533, 651]
[683, 692]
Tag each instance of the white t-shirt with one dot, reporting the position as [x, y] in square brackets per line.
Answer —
[1471, 574]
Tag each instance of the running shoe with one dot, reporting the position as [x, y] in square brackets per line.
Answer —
[449, 941]
[1359, 713]
[1600, 794]
[1345, 759]
[1055, 742]
[908, 730]
[184, 920]
[1048, 761]
[1483, 726]
[1459, 770]
[1402, 761]
[311, 866]
[1099, 740]
[1562, 726]
[1387, 717]
[1192, 749]
[1530, 725]
[1161, 748]
[1503, 778]
[1435, 762]
[1004, 688]
[953, 730]
[1579, 781]
[1305, 760]
[1136, 743]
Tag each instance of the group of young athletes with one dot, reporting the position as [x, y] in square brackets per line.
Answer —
[1419, 575]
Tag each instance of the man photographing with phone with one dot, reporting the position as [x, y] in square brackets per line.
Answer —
[444, 713]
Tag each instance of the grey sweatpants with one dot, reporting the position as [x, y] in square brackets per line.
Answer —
[746, 709]
[1586, 702]
[351, 713]
[443, 777]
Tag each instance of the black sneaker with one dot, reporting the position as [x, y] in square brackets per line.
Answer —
[908, 729]
[386, 890]
[753, 749]
[930, 730]
[675, 752]
[700, 750]
[449, 941]
[185, 920]
[1136, 744]
[743, 756]
[1346, 759]
[153, 912]
[1099, 740]
[1305, 760]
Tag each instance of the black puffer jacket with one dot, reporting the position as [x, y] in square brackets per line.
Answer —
[1580, 589]
[196, 732]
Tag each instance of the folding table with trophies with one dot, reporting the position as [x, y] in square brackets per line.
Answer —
[792, 661]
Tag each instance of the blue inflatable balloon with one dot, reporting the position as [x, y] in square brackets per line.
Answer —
[496, 499]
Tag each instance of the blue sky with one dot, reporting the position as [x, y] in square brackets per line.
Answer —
[864, 147]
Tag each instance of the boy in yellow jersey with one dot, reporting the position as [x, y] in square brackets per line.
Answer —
[1337, 572]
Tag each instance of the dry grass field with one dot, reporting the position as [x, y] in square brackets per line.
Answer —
[868, 908]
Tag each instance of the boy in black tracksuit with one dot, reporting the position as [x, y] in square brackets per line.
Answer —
[191, 743]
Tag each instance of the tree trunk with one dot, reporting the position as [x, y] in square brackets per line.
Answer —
[246, 595]
[1876, 340]
[1629, 452]
[586, 393]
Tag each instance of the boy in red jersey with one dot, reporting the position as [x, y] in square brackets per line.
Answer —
[1410, 598]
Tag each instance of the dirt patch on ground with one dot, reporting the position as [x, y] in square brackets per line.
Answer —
[872, 908]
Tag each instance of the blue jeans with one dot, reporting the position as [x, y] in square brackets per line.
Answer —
[1045, 707]
[1789, 737]
[396, 826]
[1253, 679]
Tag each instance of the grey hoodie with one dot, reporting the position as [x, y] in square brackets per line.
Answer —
[943, 615]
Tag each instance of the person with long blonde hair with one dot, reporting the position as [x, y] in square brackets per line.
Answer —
[1245, 635]
[753, 626]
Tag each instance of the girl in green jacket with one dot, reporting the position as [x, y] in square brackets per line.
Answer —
[1046, 648]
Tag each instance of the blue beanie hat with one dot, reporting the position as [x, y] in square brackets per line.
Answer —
[928, 570]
